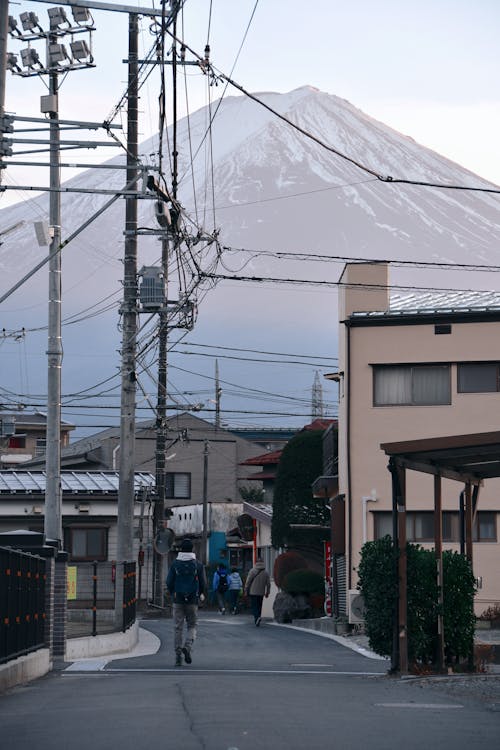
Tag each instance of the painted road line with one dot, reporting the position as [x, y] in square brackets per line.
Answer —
[437, 706]
[191, 670]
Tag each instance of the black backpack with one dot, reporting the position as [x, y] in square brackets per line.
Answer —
[186, 581]
[223, 584]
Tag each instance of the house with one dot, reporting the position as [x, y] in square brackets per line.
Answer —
[201, 460]
[413, 367]
[23, 437]
[89, 515]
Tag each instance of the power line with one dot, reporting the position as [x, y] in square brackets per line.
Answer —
[388, 179]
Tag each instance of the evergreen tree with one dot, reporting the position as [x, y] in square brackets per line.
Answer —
[300, 464]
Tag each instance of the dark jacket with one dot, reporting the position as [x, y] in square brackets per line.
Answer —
[200, 570]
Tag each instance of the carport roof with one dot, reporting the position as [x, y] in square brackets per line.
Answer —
[464, 458]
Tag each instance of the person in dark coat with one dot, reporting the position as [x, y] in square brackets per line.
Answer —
[187, 585]
[257, 586]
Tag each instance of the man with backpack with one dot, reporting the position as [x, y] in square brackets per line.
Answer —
[186, 583]
[220, 585]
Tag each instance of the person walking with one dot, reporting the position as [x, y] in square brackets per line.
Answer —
[220, 584]
[187, 585]
[235, 589]
[257, 586]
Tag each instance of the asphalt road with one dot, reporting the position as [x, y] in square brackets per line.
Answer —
[248, 688]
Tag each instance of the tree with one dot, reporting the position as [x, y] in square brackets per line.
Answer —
[300, 464]
[251, 494]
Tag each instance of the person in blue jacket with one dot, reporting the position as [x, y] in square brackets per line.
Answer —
[235, 589]
[220, 584]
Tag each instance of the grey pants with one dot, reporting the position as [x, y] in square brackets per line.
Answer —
[188, 612]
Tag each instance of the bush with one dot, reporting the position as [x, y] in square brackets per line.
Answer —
[285, 563]
[304, 581]
[378, 581]
[459, 618]
[379, 585]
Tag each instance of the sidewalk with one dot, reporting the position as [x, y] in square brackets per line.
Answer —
[359, 642]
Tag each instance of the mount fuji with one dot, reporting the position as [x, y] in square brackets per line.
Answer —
[275, 191]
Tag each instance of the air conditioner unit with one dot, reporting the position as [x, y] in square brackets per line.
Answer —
[356, 605]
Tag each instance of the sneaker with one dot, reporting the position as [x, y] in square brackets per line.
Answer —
[257, 621]
[178, 659]
[187, 655]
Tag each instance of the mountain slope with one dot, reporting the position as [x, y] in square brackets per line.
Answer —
[275, 192]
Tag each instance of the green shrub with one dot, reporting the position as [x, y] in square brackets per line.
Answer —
[378, 582]
[377, 574]
[285, 563]
[304, 581]
[459, 618]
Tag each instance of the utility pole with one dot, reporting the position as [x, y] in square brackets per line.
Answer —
[204, 535]
[161, 435]
[125, 529]
[4, 24]
[218, 392]
[53, 497]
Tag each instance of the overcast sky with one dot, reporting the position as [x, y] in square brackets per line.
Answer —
[430, 69]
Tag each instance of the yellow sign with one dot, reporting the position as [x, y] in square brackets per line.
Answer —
[71, 582]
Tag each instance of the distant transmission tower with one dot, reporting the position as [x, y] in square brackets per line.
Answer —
[317, 409]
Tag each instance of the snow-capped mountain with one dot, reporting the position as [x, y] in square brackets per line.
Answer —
[276, 191]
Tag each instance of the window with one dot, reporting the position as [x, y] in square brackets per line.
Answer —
[420, 526]
[41, 446]
[485, 527]
[87, 543]
[411, 385]
[478, 377]
[178, 485]
[17, 442]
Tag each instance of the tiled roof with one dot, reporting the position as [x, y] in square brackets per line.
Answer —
[264, 459]
[101, 482]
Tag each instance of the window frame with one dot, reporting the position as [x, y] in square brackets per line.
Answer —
[461, 365]
[102, 557]
[413, 368]
[173, 495]
[452, 516]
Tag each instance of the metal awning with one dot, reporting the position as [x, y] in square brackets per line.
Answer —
[470, 459]
[463, 458]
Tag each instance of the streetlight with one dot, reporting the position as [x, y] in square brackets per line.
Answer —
[57, 60]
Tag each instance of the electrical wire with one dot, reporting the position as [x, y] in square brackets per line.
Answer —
[218, 75]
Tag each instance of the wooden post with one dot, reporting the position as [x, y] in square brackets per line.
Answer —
[468, 522]
[438, 546]
[402, 574]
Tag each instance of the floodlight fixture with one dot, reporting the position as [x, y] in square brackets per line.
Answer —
[57, 53]
[13, 30]
[80, 51]
[57, 16]
[29, 21]
[30, 58]
[81, 15]
[12, 63]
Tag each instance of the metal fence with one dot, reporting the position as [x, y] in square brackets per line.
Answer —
[22, 603]
[129, 597]
[91, 597]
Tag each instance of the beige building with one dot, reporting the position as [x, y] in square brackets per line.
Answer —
[413, 367]
[23, 437]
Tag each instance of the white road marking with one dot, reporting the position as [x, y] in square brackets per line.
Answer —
[191, 670]
[438, 706]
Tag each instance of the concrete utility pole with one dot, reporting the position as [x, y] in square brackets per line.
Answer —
[125, 530]
[161, 434]
[53, 496]
[4, 25]
[204, 535]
